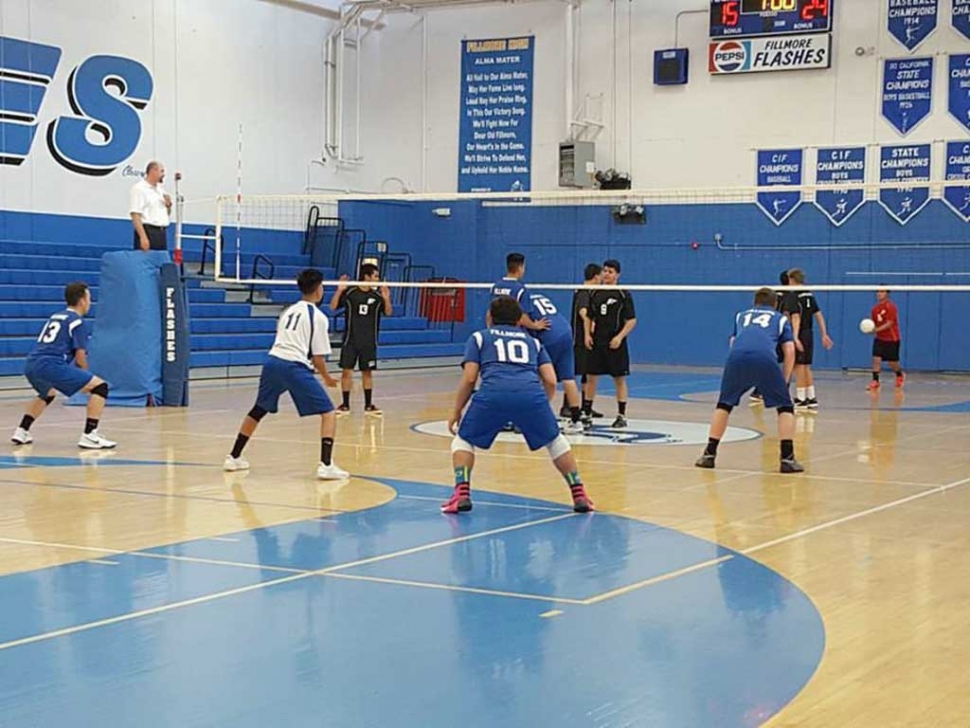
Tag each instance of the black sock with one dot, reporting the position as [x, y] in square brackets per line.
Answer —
[90, 425]
[241, 441]
[787, 450]
[565, 402]
[712, 443]
[875, 376]
[368, 397]
[622, 406]
[346, 396]
[26, 422]
[574, 414]
[326, 450]
[587, 407]
[899, 373]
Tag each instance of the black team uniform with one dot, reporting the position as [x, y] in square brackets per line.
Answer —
[609, 311]
[359, 348]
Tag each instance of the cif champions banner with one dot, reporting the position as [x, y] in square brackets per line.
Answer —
[779, 167]
[904, 163]
[788, 53]
[840, 168]
[907, 92]
[959, 91]
[957, 196]
[960, 15]
[911, 21]
[495, 129]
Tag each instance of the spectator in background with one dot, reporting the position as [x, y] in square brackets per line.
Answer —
[150, 206]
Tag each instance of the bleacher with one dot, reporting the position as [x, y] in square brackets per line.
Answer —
[231, 325]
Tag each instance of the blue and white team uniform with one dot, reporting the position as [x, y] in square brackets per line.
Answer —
[50, 364]
[557, 340]
[302, 333]
[753, 359]
[511, 287]
[510, 391]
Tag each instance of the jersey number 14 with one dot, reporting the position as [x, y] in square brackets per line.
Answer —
[764, 320]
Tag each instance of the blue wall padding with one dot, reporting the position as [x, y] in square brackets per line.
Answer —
[126, 346]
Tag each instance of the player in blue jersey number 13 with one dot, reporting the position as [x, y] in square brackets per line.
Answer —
[752, 363]
[517, 382]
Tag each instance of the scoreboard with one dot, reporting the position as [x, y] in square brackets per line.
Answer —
[744, 18]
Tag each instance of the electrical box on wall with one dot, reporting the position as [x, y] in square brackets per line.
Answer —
[670, 67]
[577, 163]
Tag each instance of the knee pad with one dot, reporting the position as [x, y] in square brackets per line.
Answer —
[101, 390]
[48, 399]
[558, 447]
[726, 407]
[257, 413]
[786, 410]
[459, 445]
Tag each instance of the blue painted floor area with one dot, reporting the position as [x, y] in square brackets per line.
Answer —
[399, 616]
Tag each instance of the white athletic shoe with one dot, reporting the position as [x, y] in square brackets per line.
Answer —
[94, 441]
[331, 472]
[21, 437]
[573, 428]
[231, 464]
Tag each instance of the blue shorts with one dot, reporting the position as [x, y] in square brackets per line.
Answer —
[745, 371]
[563, 358]
[298, 379]
[490, 411]
[47, 374]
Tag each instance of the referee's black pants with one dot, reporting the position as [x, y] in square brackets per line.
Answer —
[156, 238]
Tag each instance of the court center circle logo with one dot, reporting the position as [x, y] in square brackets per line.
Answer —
[638, 432]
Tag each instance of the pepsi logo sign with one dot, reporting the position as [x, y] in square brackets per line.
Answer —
[728, 56]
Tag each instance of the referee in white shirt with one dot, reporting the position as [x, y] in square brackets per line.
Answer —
[150, 207]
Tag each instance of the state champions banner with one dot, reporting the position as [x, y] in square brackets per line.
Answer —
[960, 17]
[911, 21]
[843, 169]
[958, 99]
[957, 196]
[495, 128]
[904, 163]
[779, 167]
[907, 92]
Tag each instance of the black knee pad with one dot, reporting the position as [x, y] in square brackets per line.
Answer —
[47, 400]
[726, 407]
[257, 413]
[101, 390]
[786, 410]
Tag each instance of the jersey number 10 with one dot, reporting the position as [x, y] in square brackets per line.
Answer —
[516, 352]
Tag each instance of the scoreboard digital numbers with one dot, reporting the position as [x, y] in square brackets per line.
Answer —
[745, 18]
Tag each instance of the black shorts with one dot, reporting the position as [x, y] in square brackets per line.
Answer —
[603, 360]
[886, 350]
[808, 343]
[362, 355]
[581, 359]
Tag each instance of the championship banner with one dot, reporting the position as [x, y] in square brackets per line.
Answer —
[788, 53]
[904, 163]
[958, 101]
[957, 197]
[911, 21]
[840, 167]
[779, 167]
[175, 337]
[960, 17]
[495, 129]
[907, 92]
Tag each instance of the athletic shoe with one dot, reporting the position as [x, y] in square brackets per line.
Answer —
[791, 465]
[565, 413]
[373, 411]
[587, 423]
[581, 502]
[574, 428]
[595, 415]
[508, 427]
[331, 472]
[620, 422]
[705, 461]
[873, 386]
[21, 437]
[343, 410]
[801, 405]
[812, 403]
[93, 441]
[900, 381]
[460, 501]
[231, 464]
[756, 400]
